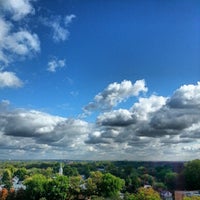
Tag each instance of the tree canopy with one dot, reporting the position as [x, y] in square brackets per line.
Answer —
[192, 175]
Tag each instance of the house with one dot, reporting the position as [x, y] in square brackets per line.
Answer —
[179, 195]
[17, 184]
[147, 186]
[166, 195]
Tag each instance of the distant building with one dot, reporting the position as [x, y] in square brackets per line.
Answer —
[17, 184]
[166, 195]
[60, 170]
[179, 195]
[147, 186]
[101, 169]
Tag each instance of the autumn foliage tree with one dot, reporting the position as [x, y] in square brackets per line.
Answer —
[147, 194]
[3, 194]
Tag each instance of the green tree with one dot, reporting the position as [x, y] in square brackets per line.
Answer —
[48, 172]
[161, 172]
[6, 178]
[70, 171]
[93, 183]
[142, 170]
[111, 185]
[20, 195]
[75, 186]
[36, 186]
[192, 198]
[159, 186]
[192, 175]
[129, 196]
[170, 180]
[133, 182]
[147, 179]
[21, 173]
[57, 188]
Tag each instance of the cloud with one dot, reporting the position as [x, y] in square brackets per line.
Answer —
[40, 126]
[9, 79]
[59, 26]
[33, 130]
[54, 64]
[145, 106]
[68, 19]
[17, 8]
[167, 125]
[22, 43]
[187, 96]
[151, 129]
[16, 42]
[119, 117]
[116, 93]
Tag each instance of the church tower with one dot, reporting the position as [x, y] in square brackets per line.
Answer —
[61, 170]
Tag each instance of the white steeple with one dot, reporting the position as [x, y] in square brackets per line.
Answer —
[61, 170]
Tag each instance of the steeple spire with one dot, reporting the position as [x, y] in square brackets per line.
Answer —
[61, 170]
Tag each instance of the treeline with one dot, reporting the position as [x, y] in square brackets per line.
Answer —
[96, 180]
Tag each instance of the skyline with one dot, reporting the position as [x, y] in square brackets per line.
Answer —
[100, 80]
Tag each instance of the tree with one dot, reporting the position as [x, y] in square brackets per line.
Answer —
[111, 185]
[159, 186]
[11, 194]
[6, 178]
[147, 179]
[21, 173]
[70, 171]
[192, 198]
[35, 186]
[161, 172]
[192, 175]
[147, 194]
[48, 172]
[93, 183]
[75, 186]
[3, 194]
[170, 180]
[20, 195]
[58, 188]
[133, 182]
[129, 196]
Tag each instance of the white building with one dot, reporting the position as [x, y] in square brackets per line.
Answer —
[166, 195]
[60, 170]
[17, 184]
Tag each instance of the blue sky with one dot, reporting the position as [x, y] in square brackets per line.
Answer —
[100, 79]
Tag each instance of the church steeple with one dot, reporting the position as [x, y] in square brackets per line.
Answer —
[61, 170]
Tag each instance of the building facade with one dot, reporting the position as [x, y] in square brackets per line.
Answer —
[179, 195]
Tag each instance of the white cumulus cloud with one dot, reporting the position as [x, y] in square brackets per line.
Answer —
[54, 64]
[9, 79]
[146, 106]
[17, 8]
[59, 26]
[153, 128]
[16, 42]
[22, 43]
[186, 96]
[116, 93]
